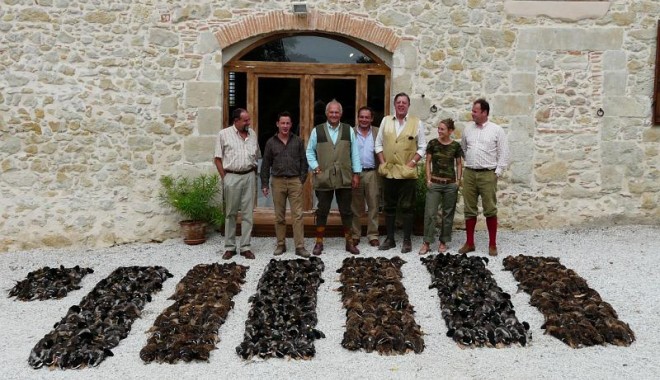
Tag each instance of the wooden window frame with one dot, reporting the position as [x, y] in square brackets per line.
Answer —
[656, 87]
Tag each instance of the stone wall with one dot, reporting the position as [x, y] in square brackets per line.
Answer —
[99, 99]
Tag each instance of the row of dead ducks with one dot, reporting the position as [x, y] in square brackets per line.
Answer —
[476, 310]
[49, 283]
[89, 330]
[282, 319]
[188, 329]
[379, 316]
[574, 312]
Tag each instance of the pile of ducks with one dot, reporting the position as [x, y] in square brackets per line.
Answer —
[574, 313]
[49, 283]
[476, 310]
[378, 315]
[282, 320]
[89, 330]
[188, 330]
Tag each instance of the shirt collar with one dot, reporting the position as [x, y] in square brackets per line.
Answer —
[236, 129]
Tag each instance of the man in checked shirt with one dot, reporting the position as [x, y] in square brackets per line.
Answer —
[486, 157]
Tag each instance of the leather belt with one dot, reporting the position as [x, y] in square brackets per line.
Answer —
[481, 170]
[368, 169]
[442, 181]
[252, 169]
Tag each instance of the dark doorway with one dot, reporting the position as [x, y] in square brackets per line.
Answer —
[342, 90]
[277, 95]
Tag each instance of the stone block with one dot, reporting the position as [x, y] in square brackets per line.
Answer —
[199, 148]
[611, 177]
[405, 56]
[100, 17]
[521, 172]
[525, 60]
[651, 134]
[523, 82]
[563, 38]
[202, 94]
[140, 143]
[614, 82]
[636, 106]
[625, 153]
[497, 38]
[191, 12]
[168, 105]
[551, 172]
[209, 121]
[33, 15]
[504, 105]
[521, 151]
[11, 145]
[207, 43]
[614, 60]
[162, 37]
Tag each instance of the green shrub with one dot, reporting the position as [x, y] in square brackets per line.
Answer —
[194, 198]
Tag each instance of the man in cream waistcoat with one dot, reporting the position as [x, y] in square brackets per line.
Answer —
[400, 144]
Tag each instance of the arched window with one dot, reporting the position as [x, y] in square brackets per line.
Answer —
[300, 73]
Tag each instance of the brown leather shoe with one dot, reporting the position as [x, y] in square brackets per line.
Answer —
[466, 248]
[228, 255]
[248, 254]
[492, 251]
[406, 246]
[374, 243]
[387, 244]
[352, 248]
[302, 252]
[318, 249]
[279, 250]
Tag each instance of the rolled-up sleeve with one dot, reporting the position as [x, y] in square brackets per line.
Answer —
[311, 151]
[356, 163]
[421, 139]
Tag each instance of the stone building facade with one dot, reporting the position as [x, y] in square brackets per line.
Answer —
[98, 99]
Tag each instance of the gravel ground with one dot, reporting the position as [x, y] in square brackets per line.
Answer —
[619, 262]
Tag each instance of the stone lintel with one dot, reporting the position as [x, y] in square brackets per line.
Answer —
[563, 10]
[567, 38]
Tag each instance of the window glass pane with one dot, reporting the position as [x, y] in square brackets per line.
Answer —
[312, 49]
[237, 91]
[376, 96]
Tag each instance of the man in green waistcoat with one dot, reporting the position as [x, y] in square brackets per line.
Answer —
[334, 159]
[399, 146]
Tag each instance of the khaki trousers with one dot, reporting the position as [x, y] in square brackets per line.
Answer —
[479, 183]
[239, 192]
[290, 189]
[368, 193]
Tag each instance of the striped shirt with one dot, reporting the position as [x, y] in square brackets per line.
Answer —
[366, 147]
[485, 147]
[237, 154]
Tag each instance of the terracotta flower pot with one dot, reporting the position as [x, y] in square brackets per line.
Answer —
[194, 232]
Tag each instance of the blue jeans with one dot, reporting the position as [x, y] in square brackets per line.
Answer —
[436, 195]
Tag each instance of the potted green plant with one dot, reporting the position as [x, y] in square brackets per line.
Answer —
[197, 200]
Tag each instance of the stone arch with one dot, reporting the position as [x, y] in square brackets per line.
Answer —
[278, 21]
